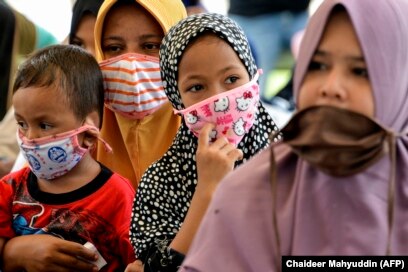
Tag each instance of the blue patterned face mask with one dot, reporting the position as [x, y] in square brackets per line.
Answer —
[53, 156]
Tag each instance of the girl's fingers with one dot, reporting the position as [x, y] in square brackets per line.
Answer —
[236, 154]
[220, 143]
[204, 136]
[228, 148]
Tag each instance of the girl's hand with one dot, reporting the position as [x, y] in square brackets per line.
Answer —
[214, 160]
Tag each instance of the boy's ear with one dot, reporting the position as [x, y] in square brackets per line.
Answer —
[92, 119]
[90, 136]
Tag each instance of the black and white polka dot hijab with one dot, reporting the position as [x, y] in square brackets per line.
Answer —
[166, 188]
[184, 33]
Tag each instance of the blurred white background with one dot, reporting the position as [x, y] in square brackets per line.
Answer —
[52, 15]
[55, 15]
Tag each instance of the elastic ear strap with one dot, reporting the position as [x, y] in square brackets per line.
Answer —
[107, 147]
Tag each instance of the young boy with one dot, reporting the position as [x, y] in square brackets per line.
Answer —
[65, 193]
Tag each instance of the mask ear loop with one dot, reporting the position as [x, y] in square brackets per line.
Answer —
[95, 132]
[107, 147]
[391, 190]
[274, 189]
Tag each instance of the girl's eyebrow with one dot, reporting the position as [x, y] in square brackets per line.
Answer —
[356, 58]
[320, 52]
[223, 70]
[230, 67]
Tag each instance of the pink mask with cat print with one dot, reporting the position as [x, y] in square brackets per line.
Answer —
[233, 112]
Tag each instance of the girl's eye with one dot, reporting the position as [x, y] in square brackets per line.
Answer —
[195, 88]
[231, 79]
[316, 66]
[360, 72]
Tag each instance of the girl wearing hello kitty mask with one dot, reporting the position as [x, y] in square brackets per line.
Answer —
[210, 78]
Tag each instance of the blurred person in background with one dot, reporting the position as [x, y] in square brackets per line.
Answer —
[270, 26]
[20, 37]
[194, 6]
[83, 21]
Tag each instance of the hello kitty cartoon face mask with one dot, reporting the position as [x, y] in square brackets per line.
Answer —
[53, 156]
[233, 112]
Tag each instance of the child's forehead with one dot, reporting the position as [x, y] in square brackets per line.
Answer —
[52, 92]
[44, 98]
[207, 37]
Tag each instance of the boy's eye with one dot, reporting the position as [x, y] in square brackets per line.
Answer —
[45, 126]
[360, 72]
[195, 88]
[22, 125]
[316, 66]
[231, 79]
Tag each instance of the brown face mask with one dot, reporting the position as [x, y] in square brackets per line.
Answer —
[336, 141]
[339, 143]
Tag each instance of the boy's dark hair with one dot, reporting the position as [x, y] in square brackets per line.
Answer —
[72, 70]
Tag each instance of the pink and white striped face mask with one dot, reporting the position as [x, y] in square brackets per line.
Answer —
[133, 86]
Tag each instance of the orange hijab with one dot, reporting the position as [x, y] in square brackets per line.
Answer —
[138, 143]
